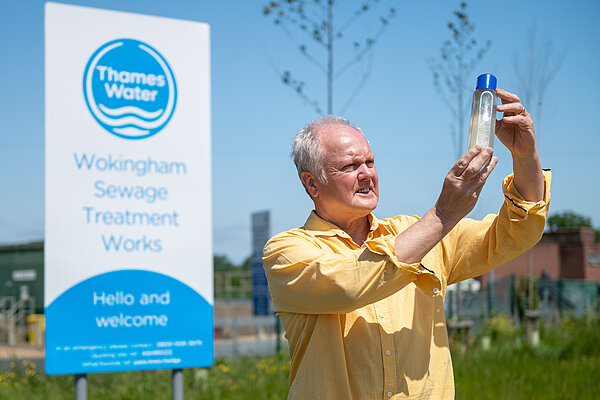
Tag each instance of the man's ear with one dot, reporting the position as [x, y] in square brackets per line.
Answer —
[310, 183]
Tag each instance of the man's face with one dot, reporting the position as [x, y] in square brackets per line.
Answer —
[352, 187]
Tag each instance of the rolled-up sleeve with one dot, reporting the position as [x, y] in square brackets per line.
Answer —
[306, 278]
[475, 247]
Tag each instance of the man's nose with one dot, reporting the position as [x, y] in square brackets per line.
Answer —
[365, 172]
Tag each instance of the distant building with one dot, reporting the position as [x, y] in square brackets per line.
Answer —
[565, 254]
[22, 273]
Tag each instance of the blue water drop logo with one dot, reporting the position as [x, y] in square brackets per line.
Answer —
[130, 89]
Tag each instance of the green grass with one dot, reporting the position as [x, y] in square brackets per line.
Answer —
[566, 365]
[260, 378]
[526, 374]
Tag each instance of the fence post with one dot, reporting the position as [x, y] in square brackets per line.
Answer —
[545, 312]
[277, 335]
[560, 285]
[490, 293]
[235, 337]
[12, 328]
[451, 304]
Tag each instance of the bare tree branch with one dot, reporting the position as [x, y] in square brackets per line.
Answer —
[451, 73]
[359, 86]
[369, 44]
[535, 74]
[366, 7]
[295, 85]
[315, 18]
[302, 48]
[298, 87]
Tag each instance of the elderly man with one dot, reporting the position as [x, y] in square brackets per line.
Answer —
[362, 299]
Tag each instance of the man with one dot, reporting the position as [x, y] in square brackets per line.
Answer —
[362, 299]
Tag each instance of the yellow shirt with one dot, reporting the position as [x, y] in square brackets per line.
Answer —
[362, 325]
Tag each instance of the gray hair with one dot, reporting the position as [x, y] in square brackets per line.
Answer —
[307, 151]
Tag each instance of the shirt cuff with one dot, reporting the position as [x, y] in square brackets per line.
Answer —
[518, 207]
[423, 277]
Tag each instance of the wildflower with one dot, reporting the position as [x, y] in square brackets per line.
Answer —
[224, 368]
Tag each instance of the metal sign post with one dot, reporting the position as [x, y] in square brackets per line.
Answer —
[81, 387]
[177, 384]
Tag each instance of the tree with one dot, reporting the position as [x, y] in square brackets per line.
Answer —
[570, 219]
[535, 71]
[453, 71]
[313, 20]
[222, 263]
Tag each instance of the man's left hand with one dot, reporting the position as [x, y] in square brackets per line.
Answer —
[515, 130]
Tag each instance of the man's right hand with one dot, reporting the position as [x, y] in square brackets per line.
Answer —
[459, 194]
[463, 184]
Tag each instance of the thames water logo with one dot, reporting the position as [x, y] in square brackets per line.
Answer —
[129, 88]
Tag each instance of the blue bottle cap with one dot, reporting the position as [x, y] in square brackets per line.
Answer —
[486, 81]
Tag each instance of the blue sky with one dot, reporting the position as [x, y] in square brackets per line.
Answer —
[254, 116]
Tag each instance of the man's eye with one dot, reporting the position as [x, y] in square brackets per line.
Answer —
[348, 167]
[370, 163]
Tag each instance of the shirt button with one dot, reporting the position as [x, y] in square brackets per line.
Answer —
[381, 315]
[388, 352]
[389, 394]
[436, 290]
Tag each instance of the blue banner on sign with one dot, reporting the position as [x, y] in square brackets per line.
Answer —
[128, 320]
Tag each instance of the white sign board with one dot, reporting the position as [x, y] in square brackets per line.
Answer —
[128, 245]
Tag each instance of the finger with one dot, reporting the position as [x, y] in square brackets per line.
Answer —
[474, 169]
[507, 97]
[487, 170]
[459, 167]
[521, 120]
[512, 108]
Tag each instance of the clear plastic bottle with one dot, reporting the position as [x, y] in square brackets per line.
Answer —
[483, 112]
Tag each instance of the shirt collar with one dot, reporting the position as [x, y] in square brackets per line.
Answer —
[319, 227]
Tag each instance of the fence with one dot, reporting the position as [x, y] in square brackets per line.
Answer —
[509, 295]
[239, 333]
[233, 285]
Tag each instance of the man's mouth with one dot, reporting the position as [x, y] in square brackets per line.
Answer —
[364, 191]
